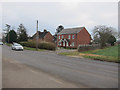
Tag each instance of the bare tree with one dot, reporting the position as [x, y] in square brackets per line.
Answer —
[102, 33]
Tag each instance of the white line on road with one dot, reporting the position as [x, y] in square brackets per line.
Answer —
[53, 79]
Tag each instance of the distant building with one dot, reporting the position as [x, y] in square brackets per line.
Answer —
[43, 36]
[72, 37]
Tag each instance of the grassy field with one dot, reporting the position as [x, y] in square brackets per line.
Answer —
[106, 54]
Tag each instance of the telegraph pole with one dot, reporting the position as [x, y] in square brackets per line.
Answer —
[37, 37]
[8, 29]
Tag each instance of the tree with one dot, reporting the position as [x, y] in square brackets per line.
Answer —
[7, 31]
[12, 36]
[59, 29]
[112, 40]
[102, 34]
[22, 33]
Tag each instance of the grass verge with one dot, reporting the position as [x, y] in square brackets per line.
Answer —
[27, 48]
[107, 54]
[33, 49]
[8, 44]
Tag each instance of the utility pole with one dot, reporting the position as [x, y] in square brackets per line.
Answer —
[37, 37]
[8, 29]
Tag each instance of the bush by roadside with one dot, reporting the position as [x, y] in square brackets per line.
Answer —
[41, 45]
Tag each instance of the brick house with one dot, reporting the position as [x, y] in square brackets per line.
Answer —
[44, 36]
[72, 37]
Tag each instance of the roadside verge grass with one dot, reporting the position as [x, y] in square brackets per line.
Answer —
[107, 54]
[33, 49]
[28, 48]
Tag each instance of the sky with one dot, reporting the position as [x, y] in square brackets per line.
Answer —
[52, 14]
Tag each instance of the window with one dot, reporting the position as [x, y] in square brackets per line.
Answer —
[73, 44]
[62, 36]
[59, 44]
[59, 36]
[69, 37]
[73, 36]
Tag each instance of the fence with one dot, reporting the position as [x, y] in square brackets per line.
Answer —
[88, 47]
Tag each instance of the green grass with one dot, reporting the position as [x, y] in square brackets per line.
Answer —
[27, 48]
[33, 49]
[8, 44]
[111, 51]
[69, 53]
[106, 54]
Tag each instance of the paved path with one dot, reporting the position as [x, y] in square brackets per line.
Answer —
[74, 72]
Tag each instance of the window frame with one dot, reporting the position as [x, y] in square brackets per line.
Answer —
[59, 36]
[69, 36]
[73, 36]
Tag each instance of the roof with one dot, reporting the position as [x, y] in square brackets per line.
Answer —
[71, 30]
[41, 34]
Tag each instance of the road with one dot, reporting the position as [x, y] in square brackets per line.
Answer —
[47, 69]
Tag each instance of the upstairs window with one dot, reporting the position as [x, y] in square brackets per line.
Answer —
[69, 36]
[73, 36]
[62, 36]
[59, 36]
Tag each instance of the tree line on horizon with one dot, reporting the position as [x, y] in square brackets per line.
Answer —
[13, 36]
[101, 34]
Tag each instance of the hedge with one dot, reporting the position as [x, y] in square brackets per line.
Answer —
[41, 45]
[88, 47]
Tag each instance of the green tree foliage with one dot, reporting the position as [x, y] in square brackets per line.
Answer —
[111, 40]
[22, 33]
[102, 34]
[7, 31]
[12, 36]
[59, 29]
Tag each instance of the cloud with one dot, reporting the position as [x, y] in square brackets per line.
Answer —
[52, 14]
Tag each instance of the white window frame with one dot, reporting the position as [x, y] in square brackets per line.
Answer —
[62, 37]
[73, 44]
[73, 36]
[69, 36]
[59, 36]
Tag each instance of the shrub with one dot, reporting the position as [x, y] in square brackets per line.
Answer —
[41, 45]
[46, 45]
[28, 44]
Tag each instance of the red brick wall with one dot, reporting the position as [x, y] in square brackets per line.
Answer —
[65, 36]
[83, 37]
[48, 37]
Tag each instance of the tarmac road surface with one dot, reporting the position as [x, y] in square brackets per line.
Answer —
[47, 69]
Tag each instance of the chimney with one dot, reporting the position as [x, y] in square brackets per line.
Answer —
[45, 30]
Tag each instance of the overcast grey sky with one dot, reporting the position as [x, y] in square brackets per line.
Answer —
[53, 14]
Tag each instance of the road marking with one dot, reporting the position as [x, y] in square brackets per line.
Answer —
[53, 79]
[33, 71]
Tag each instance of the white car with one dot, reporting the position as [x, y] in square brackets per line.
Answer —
[1, 43]
[16, 46]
